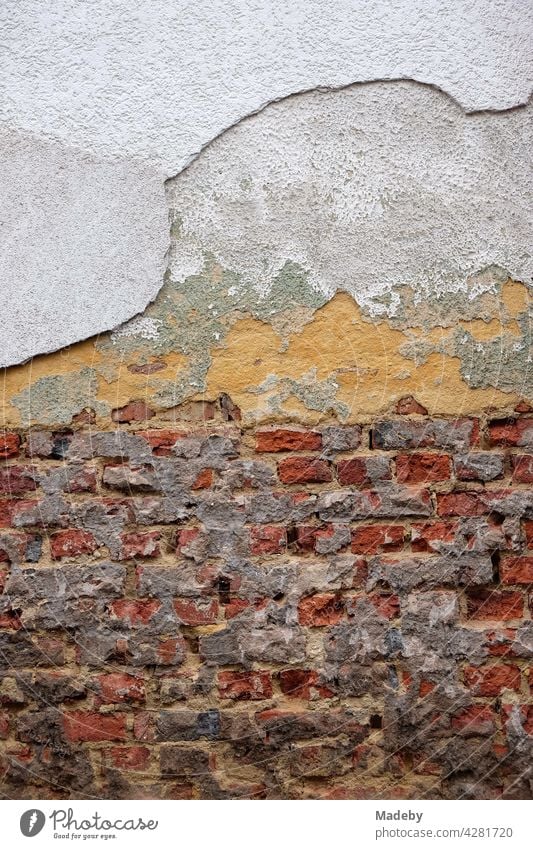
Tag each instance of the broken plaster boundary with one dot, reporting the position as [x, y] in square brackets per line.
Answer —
[126, 273]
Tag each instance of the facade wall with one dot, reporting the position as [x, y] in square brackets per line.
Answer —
[266, 516]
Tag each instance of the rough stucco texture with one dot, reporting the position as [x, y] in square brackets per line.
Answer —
[163, 79]
[272, 537]
[153, 83]
[83, 242]
[313, 273]
[369, 190]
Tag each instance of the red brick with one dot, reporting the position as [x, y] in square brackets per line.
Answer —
[170, 650]
[135, 411]
[306, 537]
[304, 470]
[83, 481]
[144, 727]
[144, 544]
[495, 605]
[203, 480]
[17, 480]
[128, 757]
[191, 612]
[4, 726]
[528, 530]
[361, 471]
[72, 543]
[371, 539]
[10, 621]
[426, 536]
[423, 766]
[327, 533]
[511, 431]
[244, 686]
[120, 687]
[516, 570]
[500, 643]
[186, 537]
[7, 508]
[26, 512]
[523, 468]
[475, 720]
[297, 498]
[491, 680]
[320, 609]
[9, 445]
[461, 504]
[84, 726]
[425, 688]
[234, 607]
[161, 441]
[408, 405]
[135, 611]
[302, 684]
[387, 604]
[23, 754]
[285, 439]
[419, 468]
[267, 539]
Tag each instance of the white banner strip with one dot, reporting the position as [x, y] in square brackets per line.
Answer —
[275, 824]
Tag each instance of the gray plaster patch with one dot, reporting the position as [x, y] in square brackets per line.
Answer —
[83, 243]
[56, 399]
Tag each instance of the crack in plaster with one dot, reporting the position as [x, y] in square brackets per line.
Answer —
[154, 83]
[151, 328]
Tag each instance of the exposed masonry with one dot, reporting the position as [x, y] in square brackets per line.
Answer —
[205, 610]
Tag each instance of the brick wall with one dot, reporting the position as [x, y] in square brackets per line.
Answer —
[203, 610]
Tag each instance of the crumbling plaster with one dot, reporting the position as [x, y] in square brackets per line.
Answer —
[103, 101]
[329, 255]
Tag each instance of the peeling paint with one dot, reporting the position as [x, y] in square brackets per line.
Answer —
[387, 191]
[339, 365]
[328, 278]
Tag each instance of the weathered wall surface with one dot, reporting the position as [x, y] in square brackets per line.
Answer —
[272, 536]
[329, 256]
[132, 92]
[201, 611]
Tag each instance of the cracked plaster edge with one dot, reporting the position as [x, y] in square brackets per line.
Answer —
[156, 163]
[326, 89]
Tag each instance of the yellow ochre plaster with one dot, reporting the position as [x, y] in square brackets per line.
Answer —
[340, 363]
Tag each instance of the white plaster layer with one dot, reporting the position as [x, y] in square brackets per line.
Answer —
[156, 81]
[367, 189]
[83, 243]
[163, 78]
